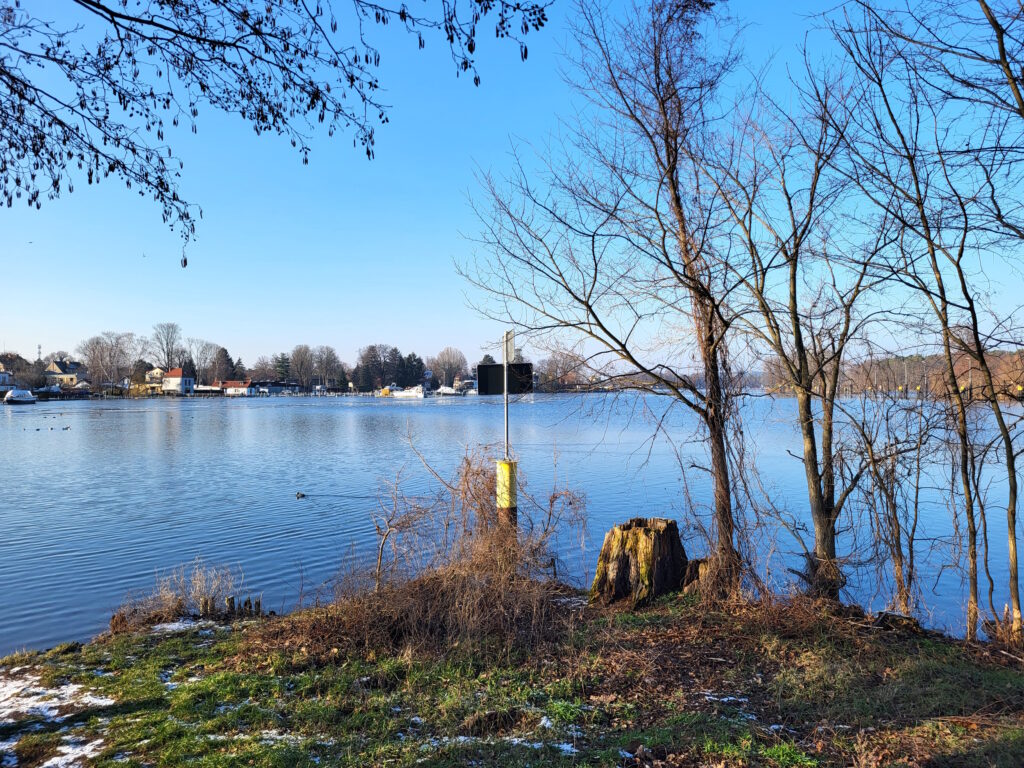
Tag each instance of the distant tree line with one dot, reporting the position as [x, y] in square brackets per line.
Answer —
[114, 361]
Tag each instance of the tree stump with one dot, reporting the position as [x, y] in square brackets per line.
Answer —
[639, 560]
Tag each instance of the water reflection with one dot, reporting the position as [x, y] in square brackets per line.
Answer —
[92, 512]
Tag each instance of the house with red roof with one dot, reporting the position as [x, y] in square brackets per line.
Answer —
[237, 388]
[175, 382]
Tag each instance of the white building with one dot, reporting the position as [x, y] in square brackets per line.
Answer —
[237, 388]
[175, 382]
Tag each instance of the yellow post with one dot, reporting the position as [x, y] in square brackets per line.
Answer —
[506, 493]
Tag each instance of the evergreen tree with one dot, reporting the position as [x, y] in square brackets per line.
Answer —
[412, 370]
[282, 366]
[222, 367]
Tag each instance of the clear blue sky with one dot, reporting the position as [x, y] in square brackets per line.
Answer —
[343, 251]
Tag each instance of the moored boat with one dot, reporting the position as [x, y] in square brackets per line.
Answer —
[19, 397]
[409, 393]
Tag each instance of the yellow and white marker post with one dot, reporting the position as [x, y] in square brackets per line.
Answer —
[508, 511]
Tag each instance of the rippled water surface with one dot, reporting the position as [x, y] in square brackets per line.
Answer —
[97, 497]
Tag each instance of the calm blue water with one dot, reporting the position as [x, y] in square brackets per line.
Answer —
[89, 513]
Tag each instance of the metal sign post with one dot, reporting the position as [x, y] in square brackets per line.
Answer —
[507, 505]
[508, 351]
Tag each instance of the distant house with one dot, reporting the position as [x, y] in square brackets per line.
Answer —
[154, 381]
[237, 388]
[6, 378]
[63, 373]
[175, 382]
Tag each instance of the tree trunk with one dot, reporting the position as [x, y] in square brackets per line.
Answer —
[640, 560]
[824, 577]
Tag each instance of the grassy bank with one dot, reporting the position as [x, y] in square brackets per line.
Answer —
[781, 684]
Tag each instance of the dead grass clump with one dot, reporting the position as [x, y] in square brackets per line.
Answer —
[800, 615]
[449, 576]
[185, 591]
[999, 630]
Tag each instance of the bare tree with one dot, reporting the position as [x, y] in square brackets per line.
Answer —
[110, 357]
[613, 242]
[449, 363]
[898, 434]
[302, 365]
[263, 369]
[326, 365]
[775, 179]
[202, 354]
[562, 369]
[166, 341]
[93, 353]
[908, 158]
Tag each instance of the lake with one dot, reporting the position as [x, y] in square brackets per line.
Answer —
[97, 497]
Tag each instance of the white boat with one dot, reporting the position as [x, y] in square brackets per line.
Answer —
[409, 393]
[19, 397]
[448, 392]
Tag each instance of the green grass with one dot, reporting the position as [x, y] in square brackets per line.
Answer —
[625, 680]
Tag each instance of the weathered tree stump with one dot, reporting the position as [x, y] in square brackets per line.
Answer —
[639, 561]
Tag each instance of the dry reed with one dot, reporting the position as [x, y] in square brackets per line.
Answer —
[448, 577]
[193, 590]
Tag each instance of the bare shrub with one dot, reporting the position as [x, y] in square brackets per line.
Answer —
[193, 590]
[448, 577]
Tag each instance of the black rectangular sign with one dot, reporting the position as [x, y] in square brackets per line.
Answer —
[489, 379]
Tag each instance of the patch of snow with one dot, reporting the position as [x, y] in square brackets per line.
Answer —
[7, 758]
[708, 696]
[182, 625]
[26, 696]
[269, 737]
[165, 678]
[564, 747]
[416, 720]
[573, 603]
[545, 722]
[73, 752]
